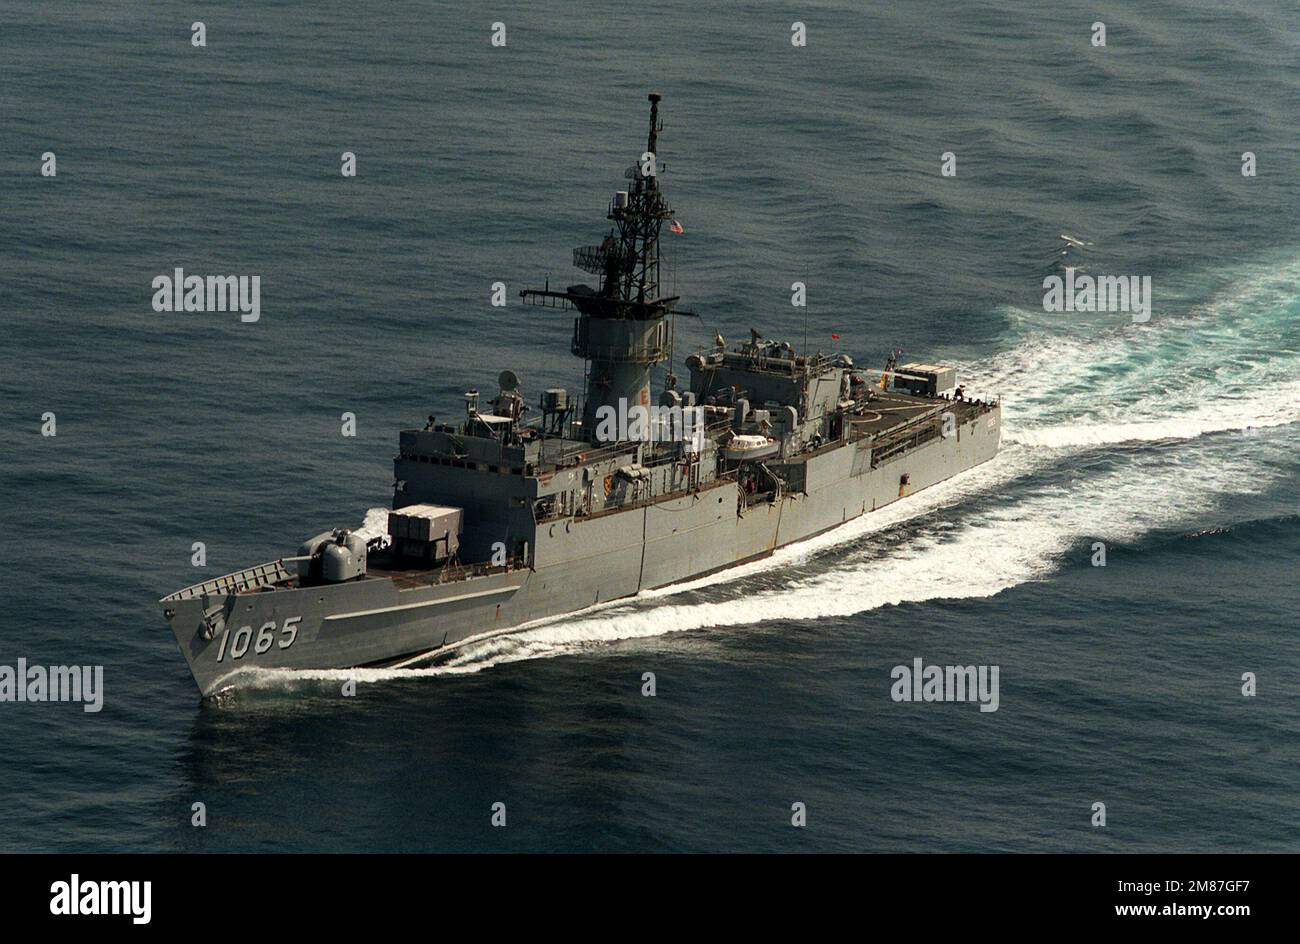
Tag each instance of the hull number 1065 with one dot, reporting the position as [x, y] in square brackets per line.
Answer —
[260, 642]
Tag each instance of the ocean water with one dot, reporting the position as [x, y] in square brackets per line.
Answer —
[1174, 442]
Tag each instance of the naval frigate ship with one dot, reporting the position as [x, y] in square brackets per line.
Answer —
[502, 519]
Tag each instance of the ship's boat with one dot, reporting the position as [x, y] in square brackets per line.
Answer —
[744, 448]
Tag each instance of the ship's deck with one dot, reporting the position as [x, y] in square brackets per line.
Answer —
[891, 410]
[407, 573]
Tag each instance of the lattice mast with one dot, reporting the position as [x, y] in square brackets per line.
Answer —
[623, 328]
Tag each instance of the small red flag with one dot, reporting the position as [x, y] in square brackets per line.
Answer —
[676, 227]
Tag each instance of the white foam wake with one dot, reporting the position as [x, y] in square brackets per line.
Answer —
[374, 525]
[1277, 405]
[1230, 364]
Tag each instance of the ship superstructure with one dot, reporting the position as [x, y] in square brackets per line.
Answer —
[503, 518]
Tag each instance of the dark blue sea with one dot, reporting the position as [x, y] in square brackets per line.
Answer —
[1173, 442]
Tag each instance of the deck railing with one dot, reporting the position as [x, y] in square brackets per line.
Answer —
[241, 581]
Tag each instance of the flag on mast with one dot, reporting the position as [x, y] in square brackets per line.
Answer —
[676, 227]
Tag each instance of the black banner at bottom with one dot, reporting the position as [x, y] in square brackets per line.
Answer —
[342, 893]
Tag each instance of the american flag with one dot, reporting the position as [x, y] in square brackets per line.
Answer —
[676, 227]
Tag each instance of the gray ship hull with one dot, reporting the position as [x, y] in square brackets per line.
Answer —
[256, 619]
